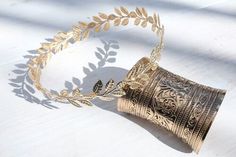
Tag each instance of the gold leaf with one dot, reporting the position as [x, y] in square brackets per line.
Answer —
[102, 15]
[64, 45]
[76, 29]
[154, 55]
[89, 96]
[97, 28]
[117, 11]
[76, 92]
[155, 18]
[45, 46]
[97, 87]
[106, 26]
[37, 85]
[132, 14]
[73, 102]
[31, 74]
[158, 32]
[76, 36]
[120, 84]
[82, 25]
[41, 50]
[153, 27]
[97, 19]
[144, 24]
[109, 85]
[62, 34]
[57, 38]
[138, 11]
[124, 10]
[117, 22]
[158, 21]
[137, 21]
[150, 19]
[86, 102]
[144, 12]
[91, 25]
[111, 17]
[125, 22]
[85, 34]
[118, 93]
[64, 93]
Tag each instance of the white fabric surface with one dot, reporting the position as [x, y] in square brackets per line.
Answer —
[200, 42]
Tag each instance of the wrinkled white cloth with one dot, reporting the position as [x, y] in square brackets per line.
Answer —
[200, 42]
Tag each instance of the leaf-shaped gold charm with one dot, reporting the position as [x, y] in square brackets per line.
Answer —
[97, 87]
[45, 46]
[73, 102]
[106, 26]
[144, 24]
[112, 17]
[118, 93]
[117, 11]
[76, 92]
[63, 34]
[102, 15]
[137, 21]
[138, 11]
[158, 21]
[153, 27]
[64, 93]
[155, 18]
[97, 19]
[117, 22]
[41, 51]
[144, 12]
[97, 28]
[153, 55]
[82, 25]
[91, 25]
[132, 14]
[76, 36]
[85, 34]
[120, 84]
[125, 22]
[150, 19]
[124, 10]
[86, 102]
[109, 85]
[64, 45]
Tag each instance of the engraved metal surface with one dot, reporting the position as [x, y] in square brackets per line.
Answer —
[181, 106]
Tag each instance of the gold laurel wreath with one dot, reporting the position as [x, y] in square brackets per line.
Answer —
[80, 32]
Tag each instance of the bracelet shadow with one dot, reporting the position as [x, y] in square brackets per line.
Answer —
[23, 88]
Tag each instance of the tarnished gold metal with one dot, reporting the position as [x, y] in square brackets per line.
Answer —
[179, 105]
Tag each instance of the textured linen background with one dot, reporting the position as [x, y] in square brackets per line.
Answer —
[200, 42]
